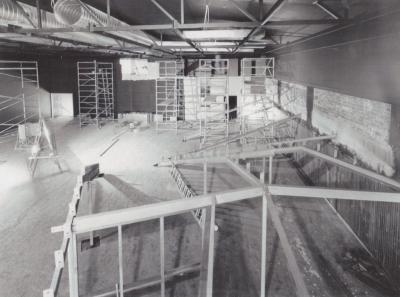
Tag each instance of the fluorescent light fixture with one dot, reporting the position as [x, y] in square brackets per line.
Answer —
[216, 34]
[172, 43]
[212, 49]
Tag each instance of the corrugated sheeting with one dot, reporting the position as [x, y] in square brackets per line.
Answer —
[377, 224]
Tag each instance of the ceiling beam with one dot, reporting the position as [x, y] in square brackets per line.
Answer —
[120, 41]
[177, 31]
[243, 11]
[74, 45]
[277, 5]
[358, 21]
[187, 26]
[327, 9]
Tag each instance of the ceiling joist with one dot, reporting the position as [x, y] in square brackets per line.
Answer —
[277, 5]
[177, 31]
[243, 11]
[327, 9]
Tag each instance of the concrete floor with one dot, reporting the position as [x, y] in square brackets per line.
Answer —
[30, 207]
[333, 261]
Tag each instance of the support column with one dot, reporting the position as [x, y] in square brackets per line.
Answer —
[310, 105]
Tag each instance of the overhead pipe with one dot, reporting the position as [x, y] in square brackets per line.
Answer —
[78, 14]
[11, 13]
[15, 13]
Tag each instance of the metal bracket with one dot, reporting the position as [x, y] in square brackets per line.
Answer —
[59, 258]
[48, 293]
[72, 208]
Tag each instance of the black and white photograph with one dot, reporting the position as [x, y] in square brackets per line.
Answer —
[199, 148]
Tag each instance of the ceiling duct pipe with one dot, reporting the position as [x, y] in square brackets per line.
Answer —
[78, 14]
[13, 13]
[17, 13]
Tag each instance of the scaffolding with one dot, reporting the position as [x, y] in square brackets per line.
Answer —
[166, 104]
[169, 95]
[188, 102]
[96, 93]
[255, 103]
[214, 100]
[20, 104]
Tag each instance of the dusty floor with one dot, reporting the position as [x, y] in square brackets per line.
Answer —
[30, 207]
[333, 261]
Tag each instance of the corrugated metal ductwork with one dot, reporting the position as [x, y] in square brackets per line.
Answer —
[67, 13]
[76, 13]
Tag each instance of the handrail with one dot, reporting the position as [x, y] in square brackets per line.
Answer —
[148, 212]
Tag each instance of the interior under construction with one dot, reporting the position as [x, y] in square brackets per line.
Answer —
[199, 148]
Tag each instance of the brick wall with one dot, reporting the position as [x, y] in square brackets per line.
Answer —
[361, 125]
[293, 99]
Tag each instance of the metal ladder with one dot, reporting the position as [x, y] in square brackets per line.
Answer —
[186, 192]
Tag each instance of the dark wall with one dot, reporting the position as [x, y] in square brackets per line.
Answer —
[136, 96]
[58, 74]
[362, 60]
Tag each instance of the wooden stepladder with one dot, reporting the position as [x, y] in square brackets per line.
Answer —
[44, 147]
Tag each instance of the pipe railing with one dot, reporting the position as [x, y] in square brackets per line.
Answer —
[208, 202]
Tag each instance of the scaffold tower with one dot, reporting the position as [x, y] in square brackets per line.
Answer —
[168, 91]
[214, 100]
[21, 104]
[255, 103]
[96, 93]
